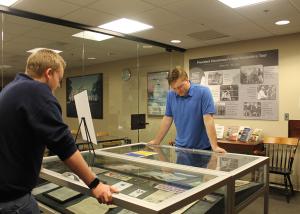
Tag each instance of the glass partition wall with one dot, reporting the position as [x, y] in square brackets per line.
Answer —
[123, 77]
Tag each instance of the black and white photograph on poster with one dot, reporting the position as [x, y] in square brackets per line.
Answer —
[266, 92]
[252, 74]
[220, 108]
[252, 109]
[229, 93]
[215, 78]
[240, 81]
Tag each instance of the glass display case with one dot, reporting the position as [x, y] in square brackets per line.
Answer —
[248, 173]
[160, 179]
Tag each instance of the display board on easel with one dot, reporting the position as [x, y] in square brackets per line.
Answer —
[84, 114]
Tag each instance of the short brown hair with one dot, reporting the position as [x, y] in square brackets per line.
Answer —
[43, 59]
[176, 73]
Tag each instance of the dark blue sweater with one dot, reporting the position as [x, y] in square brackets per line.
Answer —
[30, 119]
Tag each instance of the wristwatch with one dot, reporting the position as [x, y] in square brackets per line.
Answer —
[94, 183]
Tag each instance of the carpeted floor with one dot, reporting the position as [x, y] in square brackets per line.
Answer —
[277, 204]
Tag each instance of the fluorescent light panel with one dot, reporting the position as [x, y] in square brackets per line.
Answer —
[241, 3]
[37, 49]
[125, 26]
[7, 2]
[92, 36]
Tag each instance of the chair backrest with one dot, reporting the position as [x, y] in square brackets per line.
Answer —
[281, 151]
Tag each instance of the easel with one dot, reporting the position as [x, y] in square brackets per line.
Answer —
[88, 137]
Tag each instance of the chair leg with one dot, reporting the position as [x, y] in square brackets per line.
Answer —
[291, 185]
[286, 189]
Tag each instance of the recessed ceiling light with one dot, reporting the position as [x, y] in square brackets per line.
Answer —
[91, 58]
[241, 3]
[92, 36]
[176, 41]
[125, 26]
[7, 2]
[282, 22]
[37, 49]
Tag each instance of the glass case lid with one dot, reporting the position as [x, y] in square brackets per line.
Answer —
[143, 186]
[191, 157]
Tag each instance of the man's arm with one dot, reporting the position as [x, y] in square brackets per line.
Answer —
[163, 129]
[211, 133]
[102, 192]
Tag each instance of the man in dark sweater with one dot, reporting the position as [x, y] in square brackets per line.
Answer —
[30, 120]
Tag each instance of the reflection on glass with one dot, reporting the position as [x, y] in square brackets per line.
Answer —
[149, 182]
[196, 158]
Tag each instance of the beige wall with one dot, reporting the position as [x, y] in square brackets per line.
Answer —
[289, 78]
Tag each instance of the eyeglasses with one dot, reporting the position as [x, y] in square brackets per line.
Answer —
[180, 86]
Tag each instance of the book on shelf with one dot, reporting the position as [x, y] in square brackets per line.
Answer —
[219, 131]
[232, 132]
[245, 134]
[256, 135]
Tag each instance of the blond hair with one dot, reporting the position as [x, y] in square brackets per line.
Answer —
[43, 59]
[177, 73]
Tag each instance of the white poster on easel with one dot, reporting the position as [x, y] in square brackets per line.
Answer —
[84, 111]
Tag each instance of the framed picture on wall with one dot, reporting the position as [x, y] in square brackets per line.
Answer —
[93, 83]
[157, 89]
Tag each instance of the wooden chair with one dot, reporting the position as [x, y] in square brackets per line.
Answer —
[281, 151]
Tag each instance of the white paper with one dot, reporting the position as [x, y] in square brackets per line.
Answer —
[137, 193]
[122, 185]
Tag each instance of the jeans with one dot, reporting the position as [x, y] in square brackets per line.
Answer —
[24, 205]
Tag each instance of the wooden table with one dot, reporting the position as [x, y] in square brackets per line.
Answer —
[240, 147]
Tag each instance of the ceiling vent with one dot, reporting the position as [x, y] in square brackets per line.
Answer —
[207, 35]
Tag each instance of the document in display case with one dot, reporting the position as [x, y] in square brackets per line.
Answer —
[169, 180]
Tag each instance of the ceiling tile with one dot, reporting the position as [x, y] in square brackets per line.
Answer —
[295, 3]
[205, 11]
[160, 2]
[154, 17]
[53, 8]
[80, 2]
[186, 27]
[121, 8]
[89, 17]
[268, 11]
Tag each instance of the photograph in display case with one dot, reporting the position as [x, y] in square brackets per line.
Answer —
[157, 90]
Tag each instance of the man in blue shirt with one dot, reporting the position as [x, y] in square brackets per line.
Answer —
[30, 121]
[191, 107]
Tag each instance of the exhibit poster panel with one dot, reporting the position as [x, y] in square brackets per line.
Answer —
[244, 86]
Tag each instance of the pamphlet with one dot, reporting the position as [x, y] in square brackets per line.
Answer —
[89, 206]
[141, 153]
[44, 188]
[122, 185]
[63, 194]
[245, 134]
[219, 131]
[159, 196]
[137, 193]
[169, 188]
[118, 176]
